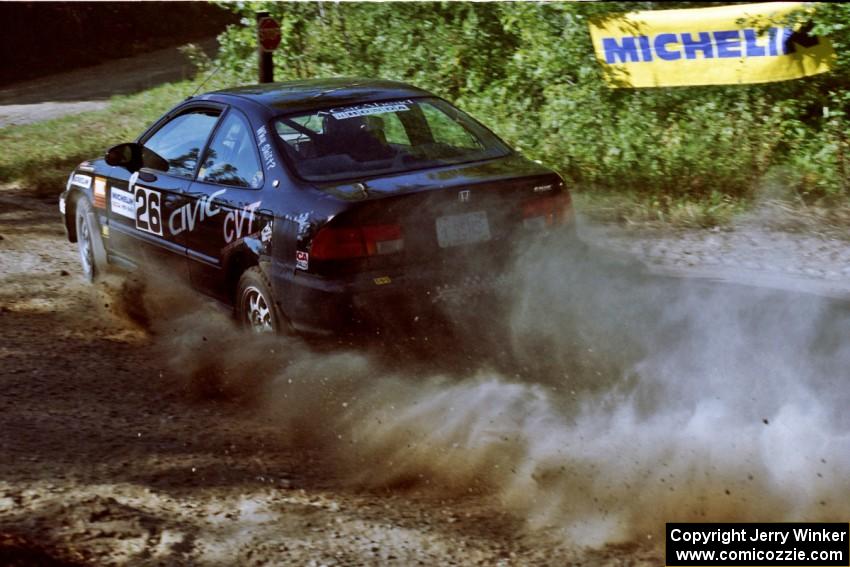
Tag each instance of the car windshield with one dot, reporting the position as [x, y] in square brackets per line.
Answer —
[379, 138]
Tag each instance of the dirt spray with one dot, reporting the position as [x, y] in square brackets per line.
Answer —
[628, 400]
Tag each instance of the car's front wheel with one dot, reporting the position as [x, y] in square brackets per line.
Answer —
[254, 303]
[86, 243]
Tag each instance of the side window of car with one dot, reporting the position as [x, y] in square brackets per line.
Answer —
[232, 156]
[394, 129]
[181, 140]
[447, 131]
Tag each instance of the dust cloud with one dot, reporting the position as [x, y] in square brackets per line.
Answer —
[610, 402]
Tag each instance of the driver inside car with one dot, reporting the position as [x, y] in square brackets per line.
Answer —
[361, 137]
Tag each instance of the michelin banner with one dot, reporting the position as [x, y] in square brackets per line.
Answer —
[721, 45]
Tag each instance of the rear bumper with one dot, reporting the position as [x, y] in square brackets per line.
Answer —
[377, 300]
[403, 296]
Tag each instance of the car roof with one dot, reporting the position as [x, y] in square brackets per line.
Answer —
[307, 95]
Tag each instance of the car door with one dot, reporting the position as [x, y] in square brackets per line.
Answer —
[225, 203]
[143, 207]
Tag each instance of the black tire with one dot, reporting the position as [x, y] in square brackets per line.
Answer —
[87, 241]
[255, 306]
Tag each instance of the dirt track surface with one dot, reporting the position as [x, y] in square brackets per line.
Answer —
[109, 459]
[117, 450]
[748, 253]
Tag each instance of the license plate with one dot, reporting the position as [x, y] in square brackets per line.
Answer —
[454, 230]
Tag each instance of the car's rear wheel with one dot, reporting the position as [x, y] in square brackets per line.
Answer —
[86, 240]
[255, 306]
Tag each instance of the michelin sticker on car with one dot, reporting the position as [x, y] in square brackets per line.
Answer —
[81, 180]
[122, 203]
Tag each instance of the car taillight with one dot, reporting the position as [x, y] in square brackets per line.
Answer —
[383, 239]
[332, 243]
[547, 211]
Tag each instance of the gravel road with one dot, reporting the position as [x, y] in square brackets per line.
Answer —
[115, 455]
[110, 457]
[745, 253]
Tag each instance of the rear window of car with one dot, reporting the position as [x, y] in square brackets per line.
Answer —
[379, 138]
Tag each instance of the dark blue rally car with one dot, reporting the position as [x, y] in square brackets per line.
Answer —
[313, 205]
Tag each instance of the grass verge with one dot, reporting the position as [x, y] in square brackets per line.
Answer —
[40, 156]
[635, 209]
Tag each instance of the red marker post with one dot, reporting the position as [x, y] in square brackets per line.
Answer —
[268, 38]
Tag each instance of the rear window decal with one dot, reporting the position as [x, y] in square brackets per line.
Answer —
[367, 109]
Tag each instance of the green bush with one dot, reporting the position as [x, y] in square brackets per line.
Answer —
[528, 71]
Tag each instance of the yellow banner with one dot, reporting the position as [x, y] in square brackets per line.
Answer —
[707, 46]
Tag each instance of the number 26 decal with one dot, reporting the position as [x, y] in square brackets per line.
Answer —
[148, 214]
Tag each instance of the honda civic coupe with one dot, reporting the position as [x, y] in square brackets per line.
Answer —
[314, 205]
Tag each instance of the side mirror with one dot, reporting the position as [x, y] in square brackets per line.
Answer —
[133, 157]
[127, 155]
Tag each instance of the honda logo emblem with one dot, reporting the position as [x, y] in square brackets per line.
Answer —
[463, 196]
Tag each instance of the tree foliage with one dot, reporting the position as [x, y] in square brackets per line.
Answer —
[528, 71]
